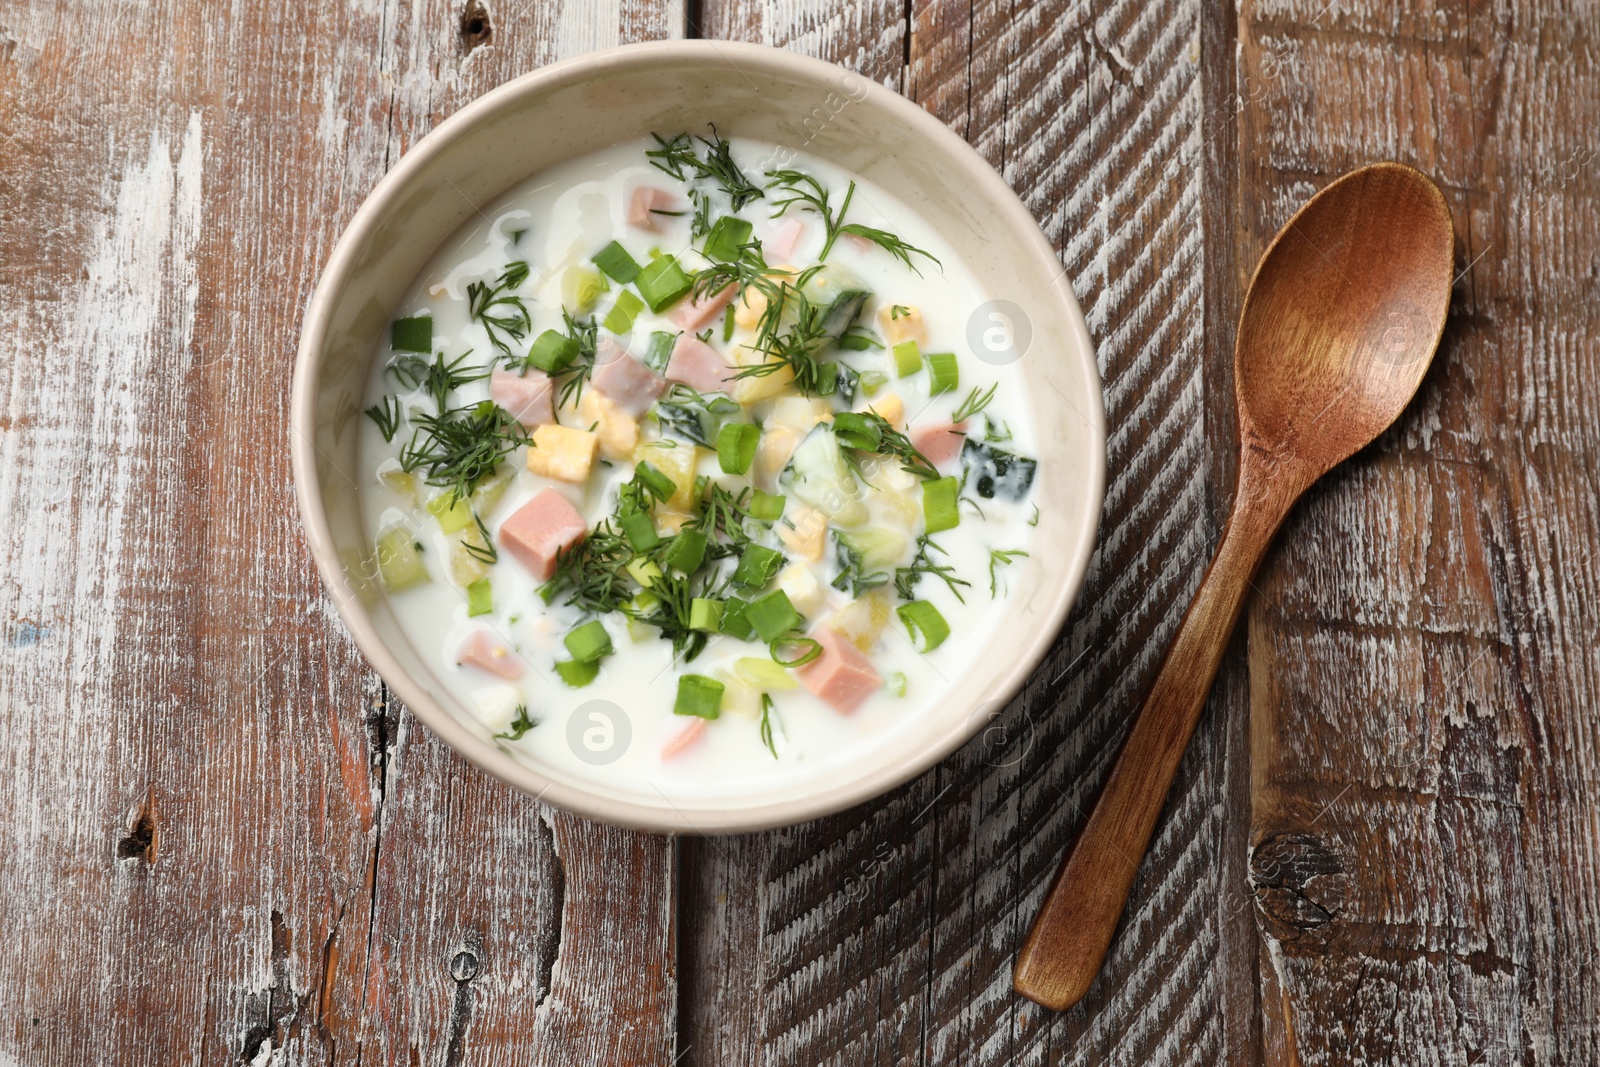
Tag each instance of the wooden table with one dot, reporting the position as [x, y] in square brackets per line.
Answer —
[221, 842]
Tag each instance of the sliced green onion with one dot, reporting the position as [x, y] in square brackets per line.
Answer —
[897, 683]
[453, 512]
[581, 288]
[705, 614]
[662, 283]
[588, 642]
[687, 551]
[939, 509]
[578, 674]
[924, 623]
[855, 430]
[764, 673]
[943, 374]
[727, 238]
[734, 621]
[858, 342]
[615, 261]
[872, 381]
[773, 615]
[553, 351]
[727, 323]
[480, 598]
[812, 649]
[643, 571]
[766, 507]
[757, 566]
[659, 354]
[699, 696]
[640, 530]
[736, 446]
[620, 318]
[658, 483]
[412, 335]
[907, 358]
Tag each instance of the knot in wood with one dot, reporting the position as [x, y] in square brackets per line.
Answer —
[1299, 885]
[464, 967]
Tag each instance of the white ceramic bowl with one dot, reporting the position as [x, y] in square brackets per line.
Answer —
[594, 101]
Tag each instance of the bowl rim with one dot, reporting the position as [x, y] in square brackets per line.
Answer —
[575, 797]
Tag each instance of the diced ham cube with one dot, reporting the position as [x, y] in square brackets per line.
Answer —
[484, 652]
[645, 202]
[699, 366]
[625, 381]
[842, 677]
[540, 529]
[526, 396]
[780, 245]
[682, 737]
[694, 313]
[941, 443]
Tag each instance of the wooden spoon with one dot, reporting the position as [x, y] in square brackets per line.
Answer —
[1338, 328]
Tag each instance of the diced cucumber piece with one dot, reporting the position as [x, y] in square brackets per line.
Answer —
[453, 512]
[817, 474]
[480, 598]
[659, 354]
[643, 571]
[764, 674]
[994, 472]
[399, 556]
[487, 496]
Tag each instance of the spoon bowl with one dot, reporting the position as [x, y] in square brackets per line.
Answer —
[1343, 315]
[1340, 323]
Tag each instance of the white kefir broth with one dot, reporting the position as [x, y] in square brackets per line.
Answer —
[565, 216]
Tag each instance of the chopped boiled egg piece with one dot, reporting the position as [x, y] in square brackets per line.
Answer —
[805, 592]
[809, 533]
[902, 322]
[562, 453]
[618, 431]
[497, 706]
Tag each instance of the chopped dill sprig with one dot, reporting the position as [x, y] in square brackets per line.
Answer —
[458, 448]
[678, 158]
[1001, 558]
[798, 187]
[520, 725]
[502, 314]
[906, 578]
[975, 402]
[483, 549]
[767, 708]
[387, 415]
[435, 377]
[587, 334]
[593, 573]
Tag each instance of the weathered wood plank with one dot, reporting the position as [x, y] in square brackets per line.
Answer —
[222, 844]
[1423, 656]
[888, 933]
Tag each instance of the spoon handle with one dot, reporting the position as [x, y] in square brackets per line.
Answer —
[1069, 938]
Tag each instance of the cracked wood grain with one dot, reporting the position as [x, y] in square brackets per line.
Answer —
[1423, 656]
[223, 843]
[885, 935]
